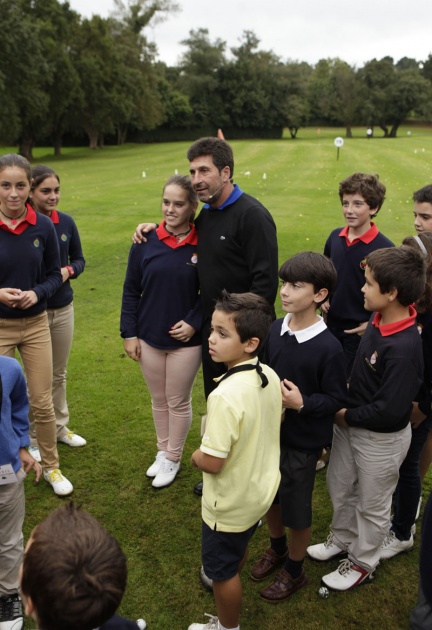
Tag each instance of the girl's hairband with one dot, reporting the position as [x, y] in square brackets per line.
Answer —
[421, 245]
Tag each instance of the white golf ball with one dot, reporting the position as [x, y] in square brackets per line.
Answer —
[323, 592]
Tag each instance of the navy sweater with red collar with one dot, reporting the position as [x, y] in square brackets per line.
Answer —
[29, 260]
[386, 376]
[71, 255]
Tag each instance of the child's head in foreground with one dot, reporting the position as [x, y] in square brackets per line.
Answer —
[308, 271]
[241, 321]
[398, 268]
[74, 572]
[367, 186]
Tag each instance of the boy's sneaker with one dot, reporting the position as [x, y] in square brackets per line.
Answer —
[212, 624]
[392, 545]
[11, 612]
[154, 468]
[166, 475]
[72, 439]
[61, 486]
[35, 453]
[347, 575]
[268, 563]
[325, 551]
[141, 623]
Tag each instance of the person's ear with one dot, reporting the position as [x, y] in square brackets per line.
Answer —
[392, 294]
[226, 174]
[251, 345]
[321, 296]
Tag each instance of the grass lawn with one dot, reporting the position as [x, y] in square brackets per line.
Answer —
[106, 193]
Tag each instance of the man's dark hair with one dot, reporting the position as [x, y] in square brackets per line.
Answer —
[366, 185]
[402, 268]
[311, 267]
[74, 571]
[252, 315]
[424, 195]
[219, 150]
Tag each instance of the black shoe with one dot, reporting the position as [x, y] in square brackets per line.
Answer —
[11, 613]
[198, 488]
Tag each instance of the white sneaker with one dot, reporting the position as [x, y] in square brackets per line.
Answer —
[141, 623]
[72, 439]
[166, 475]
[60, 484]
[154, 468]
[212, 624]
[11, 613]
[392, 545]
[347, 575]
[325, 551]
[35, 453]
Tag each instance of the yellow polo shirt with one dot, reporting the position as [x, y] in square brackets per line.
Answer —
[243, 427]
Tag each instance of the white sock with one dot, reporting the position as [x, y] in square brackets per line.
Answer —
[221, 627]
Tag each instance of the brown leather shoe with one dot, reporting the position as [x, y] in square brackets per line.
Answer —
[268, 562]
[283, 587]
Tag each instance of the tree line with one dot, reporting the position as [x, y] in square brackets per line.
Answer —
[64, 76]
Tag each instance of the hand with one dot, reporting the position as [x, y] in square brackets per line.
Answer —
[28, 299]
[10, 297]
[28, 462]
[138, 237]
[417, 416]
[182, 331]
[357, 331]
[133, 348]
[291, 396]
[340, 419]
[65, 274]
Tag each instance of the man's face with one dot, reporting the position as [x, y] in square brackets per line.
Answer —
[423, 216]
[208, 183]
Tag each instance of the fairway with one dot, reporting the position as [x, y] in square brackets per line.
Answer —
[108, 192]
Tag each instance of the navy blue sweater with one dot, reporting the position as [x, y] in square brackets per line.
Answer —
[160, 289]
[71, 255]
[346, 302]
[386, 376]
[237, 251]
[30, 260]
[14, 424]
[317, 367]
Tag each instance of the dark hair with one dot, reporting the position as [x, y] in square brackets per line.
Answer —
[424, 195]
[252, 315]
[424, 303]
[401, 268]
[17, 161]
[311, 267]
[74, 571]
[40, 173]
[184, 182]
[366, 185]
[219, 150]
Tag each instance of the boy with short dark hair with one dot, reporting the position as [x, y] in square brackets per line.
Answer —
[423, 209]
[372, 435]
[362, 196]
[15, 462]
[239, 452]
[309, 361]
[74, 574]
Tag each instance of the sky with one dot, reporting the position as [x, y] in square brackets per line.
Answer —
[300, 30]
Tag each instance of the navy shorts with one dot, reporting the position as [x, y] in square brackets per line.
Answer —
[222, 552]
[296, 487]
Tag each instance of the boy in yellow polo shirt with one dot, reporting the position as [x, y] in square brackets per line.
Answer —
[239, 453]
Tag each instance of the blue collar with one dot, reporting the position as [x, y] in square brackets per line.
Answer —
[236, 193]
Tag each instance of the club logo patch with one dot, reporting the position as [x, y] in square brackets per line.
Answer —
[63, 238]
[36, 242]
[373, 358]
[363, 264]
